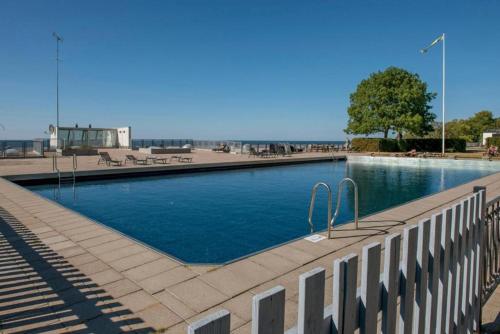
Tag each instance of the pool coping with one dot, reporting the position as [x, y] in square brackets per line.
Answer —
[228, 285]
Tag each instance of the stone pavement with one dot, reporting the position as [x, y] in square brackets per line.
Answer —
[62, 272]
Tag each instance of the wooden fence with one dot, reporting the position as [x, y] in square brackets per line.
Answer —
[431, 281]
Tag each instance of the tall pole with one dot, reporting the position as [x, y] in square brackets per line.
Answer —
[58, 39]
[444, 91]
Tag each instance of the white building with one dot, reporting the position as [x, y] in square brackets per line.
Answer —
[490, 133]
[76, 137]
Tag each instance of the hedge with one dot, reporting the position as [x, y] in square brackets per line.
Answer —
[404, 145]
[493, 141]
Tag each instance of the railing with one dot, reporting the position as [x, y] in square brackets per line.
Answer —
[11, 149]
[339, 199]
[491, 266]
[435, 287]
[311, 206]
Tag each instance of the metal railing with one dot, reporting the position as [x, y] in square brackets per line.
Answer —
[61, 178]
[491, 241]
[313, 200]
[339, 199]
[331, 221]
[11, 149]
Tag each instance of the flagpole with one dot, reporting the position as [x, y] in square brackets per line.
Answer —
[444, 92]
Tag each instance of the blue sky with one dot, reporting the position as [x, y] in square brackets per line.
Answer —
[233, 69]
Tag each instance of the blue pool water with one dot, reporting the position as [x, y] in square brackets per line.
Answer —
[215, 217]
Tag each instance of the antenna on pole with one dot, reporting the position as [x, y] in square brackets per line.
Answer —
[58, 39]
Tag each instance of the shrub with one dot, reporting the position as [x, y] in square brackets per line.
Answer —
[375, 145]
[493, 141]
[404, 145]
[434, 144]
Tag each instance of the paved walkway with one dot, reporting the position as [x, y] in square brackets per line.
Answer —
[64, 272]
[43, 166]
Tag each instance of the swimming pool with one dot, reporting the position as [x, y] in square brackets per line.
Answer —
[215, 217]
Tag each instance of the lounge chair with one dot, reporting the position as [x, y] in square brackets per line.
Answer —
[157, 160]
[106, 159]
[253, 151]
[134, 160]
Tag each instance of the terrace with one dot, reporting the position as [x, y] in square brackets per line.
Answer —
[64, 272]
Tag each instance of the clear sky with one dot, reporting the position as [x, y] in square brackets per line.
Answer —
[234, 69]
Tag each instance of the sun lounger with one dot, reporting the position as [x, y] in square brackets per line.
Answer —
[106, 159]
[157, 160]
[134, 160]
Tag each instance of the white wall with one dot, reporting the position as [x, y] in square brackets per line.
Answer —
[125, 137]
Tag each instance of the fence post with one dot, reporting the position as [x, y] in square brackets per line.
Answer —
[454, 269]
[480, 255]
[391, 283]
[350, 298]
[311, 301]
[268, 312]
[370, 289]
[421, 276]
[444, 270]
[216, 323]
[339, 266]
[407, 279]
[434, 273]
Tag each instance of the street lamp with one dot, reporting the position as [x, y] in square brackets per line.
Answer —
[58, 39]
[424, 50]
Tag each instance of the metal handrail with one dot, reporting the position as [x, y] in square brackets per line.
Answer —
[313, 199]
[337, 209]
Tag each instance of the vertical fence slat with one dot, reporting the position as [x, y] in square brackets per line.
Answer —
[433, 278]
[461, 263]
[407, 279]
[445, 250]
[479, 253]
[467, 267]
[454, 269]
[311, 301]
[421, 276]
[268, 312]
[370, 292]
[391, 283]
[472, 262]
[350, 305]
[217, 323]
[339, 266]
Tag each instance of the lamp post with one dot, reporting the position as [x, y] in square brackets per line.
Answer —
[424, 50]
[58, 39]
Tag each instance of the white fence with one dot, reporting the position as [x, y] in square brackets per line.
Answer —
[432, 285]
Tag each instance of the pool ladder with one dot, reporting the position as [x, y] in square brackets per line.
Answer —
[65, 179]
[331, 220]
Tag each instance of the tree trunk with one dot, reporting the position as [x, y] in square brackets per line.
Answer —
[386, 133]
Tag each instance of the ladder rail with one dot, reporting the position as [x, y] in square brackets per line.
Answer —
[339, 199]
[55, 168]
[313, 200]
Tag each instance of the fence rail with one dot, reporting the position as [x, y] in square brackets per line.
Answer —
[22, 149]
[436, 283]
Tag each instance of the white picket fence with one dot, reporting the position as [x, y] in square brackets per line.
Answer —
[435, 287]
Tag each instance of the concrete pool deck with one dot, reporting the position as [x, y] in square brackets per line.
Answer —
[62, 272]
[31, 170]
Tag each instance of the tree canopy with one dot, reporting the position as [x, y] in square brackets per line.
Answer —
[470, 129]
[391, 100]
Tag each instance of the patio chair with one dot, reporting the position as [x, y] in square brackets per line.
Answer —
[106, 159]
[134, 160]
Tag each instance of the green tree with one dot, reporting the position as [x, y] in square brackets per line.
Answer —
[392, 100]
[481, 121]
